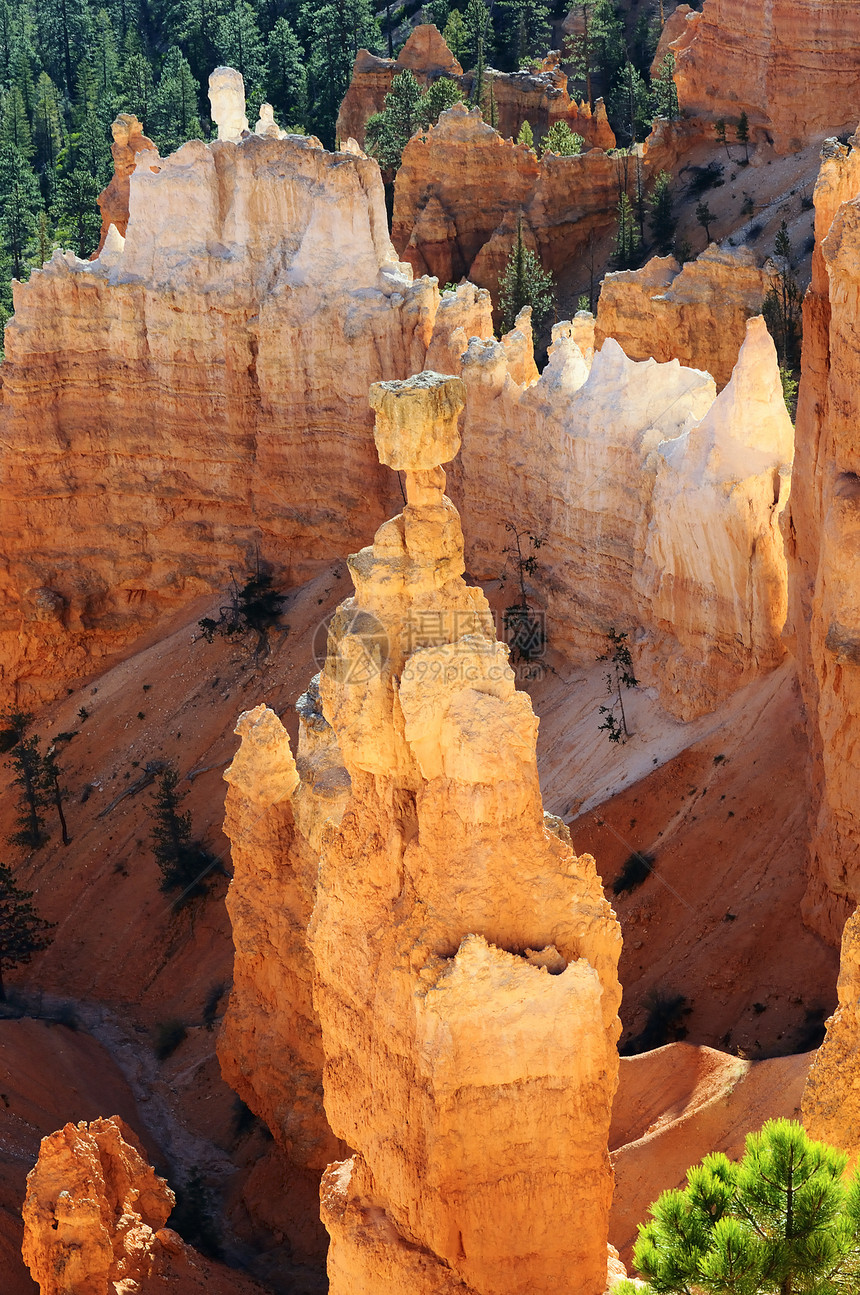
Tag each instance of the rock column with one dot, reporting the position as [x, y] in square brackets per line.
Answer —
[465, 959]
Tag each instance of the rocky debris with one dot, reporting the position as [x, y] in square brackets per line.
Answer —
[128, 141]
[94, 1221]
[790, 65]
[696, 313]
[821, 530]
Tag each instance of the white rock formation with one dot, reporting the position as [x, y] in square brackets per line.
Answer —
[227, 97]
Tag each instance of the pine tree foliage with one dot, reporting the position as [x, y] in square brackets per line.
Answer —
[782, 1221]
[526, 135]
[524, 282]
[407, 109]
[662, 220]
[23, 932]
[182, 860]
[562, 140]
[627, 239]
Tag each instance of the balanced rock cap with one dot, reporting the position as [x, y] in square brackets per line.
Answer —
[416, 420]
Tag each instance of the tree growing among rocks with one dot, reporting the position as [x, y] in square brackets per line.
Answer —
[619, 676]
[782, 1221]
[22, 931]
[182, 860]
[525, 282]
[562, 140]
[26, 763]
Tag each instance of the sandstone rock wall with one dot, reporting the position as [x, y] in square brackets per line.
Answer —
[197, 395]
[540, 97]
[465, 959]
[269, 1047]
[94, 1221]
[128, 141]
[821, 540]
[831, 1098]
[791, 65]
[696, 313]
[659, 507]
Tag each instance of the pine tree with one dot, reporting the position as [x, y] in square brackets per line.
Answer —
[582, 50]
[332, 35]
[62, 32]
[387, 133]
[705, 217]
[175, 103]
[287, 80]
[48, 123]
[240, 45]
[629, 106]
[20, 203]
[22, 932]
[52, 787]
[782, 304]
[742, 132]
[182, 861]
[439, 97]
[137, 86]
[525, 30]
[524, 282]
[456, 36]
[526, 135]
[562, 140]
[665, 92]
[783, 1221]
[662, 220]
[15, 126]
[626, 235]
[26, 764]
[477, 22]
[76, 211]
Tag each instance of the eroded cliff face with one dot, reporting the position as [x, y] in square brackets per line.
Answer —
[464, 958]
[94, 1221]
[696, 313]
[467, 1003]
[790, 65]
[821, 540]
[539, 97]
[659, 508]
[231, 339]
[270, 1047]
[831, 1098]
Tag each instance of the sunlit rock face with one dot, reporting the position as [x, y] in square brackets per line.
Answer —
[465, 959]
[822, 543]
[831, 1098]
[198, 394]
[696, 313]
[791, 65]
[94, 1221]
[659, 507]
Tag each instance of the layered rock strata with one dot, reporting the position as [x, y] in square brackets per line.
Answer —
[467, 1002]
[659, 509]
[231, 338]
[821, 538]
[94, 1221]
[790, 65]
[270, 1047]
[464, 958]
[696, 313]
[831, 1098]
[539, 97]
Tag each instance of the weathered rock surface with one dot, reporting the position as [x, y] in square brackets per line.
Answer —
[270, 1048]
[425, 54]
[94, 1221]
[821, 540]
[231, 340]
[624, 544]
[443, 976]
[790, 65]
[831, 1098]
[539, 97]
[128, 141]
[696, 313]
[461, 188]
